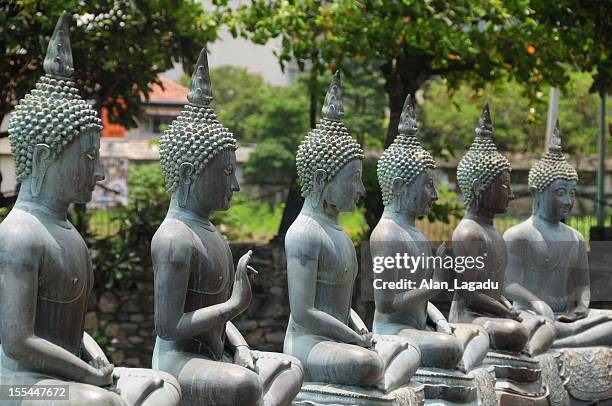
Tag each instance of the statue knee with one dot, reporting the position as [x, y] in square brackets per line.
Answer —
[453, 349]
[512, 337]
[247, 388]
[92, 395]
[368, 368]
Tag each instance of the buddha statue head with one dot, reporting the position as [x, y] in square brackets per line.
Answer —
[329, 160]
[54, 133]
[483, 173]
[552, 182]
[405, 169]
[197, 153]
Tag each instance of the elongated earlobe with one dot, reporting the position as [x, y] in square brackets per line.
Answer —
[40, 163]
[317, 187]
[185, 179]
[397, 193]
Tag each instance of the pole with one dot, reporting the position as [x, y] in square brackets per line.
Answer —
[553, 113]
[601, 157]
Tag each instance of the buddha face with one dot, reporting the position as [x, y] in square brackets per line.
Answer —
[420, 194]
[345, 189]
[496, 197]
[78, 168]
[213, 188]
[556, 201]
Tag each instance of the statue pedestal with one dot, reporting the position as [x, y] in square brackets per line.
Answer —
[552, 369]
[320, 394]
[518, 380]
[589, 373]
[448, 387]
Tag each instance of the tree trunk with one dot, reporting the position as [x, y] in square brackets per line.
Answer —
[402, 77]
[294, 200]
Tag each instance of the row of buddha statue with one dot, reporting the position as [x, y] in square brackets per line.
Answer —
[492, 348]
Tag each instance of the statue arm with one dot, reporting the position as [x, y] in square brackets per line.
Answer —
[356, 323]
[91, 349]
[18, 293]
[582, 278]
[434, 314]
[171, 263]
[234, 337]
[302, 281]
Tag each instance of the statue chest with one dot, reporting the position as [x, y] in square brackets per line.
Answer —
[212, 270]
[66, 272]
[64, 282]
[338, 259]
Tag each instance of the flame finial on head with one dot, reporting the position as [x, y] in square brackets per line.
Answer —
[58, 60]
[554, 144]
[408, 124]
[332, 107]
[200, 90]
[485, 125]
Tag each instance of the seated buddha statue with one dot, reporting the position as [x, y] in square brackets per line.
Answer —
[323, 332]
[197, 290]
[548, 270]
[484, 179]
[45, 266]
[406, 180]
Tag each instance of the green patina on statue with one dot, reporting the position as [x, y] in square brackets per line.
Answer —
[548, 270]
[324, 333]
[484, 179]
[197, 290]
[45, 267]
[406, 180]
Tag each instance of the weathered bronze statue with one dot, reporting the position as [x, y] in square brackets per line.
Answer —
[548, 274]
[45, 268]
[406, 180]
[324, 332]
[548, 270]
[197, 290]
[405, 174]
[484, 179]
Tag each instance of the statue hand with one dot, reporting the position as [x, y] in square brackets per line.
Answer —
[241, 292]
[543, 309]
[442, 326]
[103, 373]
[244, 357]
[514, 315]
[580, 312]
[366, 339]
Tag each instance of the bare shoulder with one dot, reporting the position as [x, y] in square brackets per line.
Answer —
[303, 238]
[386, 230]
[173, 240]
[520, 232]
[23, 236]
[468, 230]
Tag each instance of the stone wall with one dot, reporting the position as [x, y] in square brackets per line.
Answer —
[122, 319]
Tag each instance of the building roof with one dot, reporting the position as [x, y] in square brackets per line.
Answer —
[167, 92]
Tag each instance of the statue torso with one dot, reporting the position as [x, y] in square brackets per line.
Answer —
[551, 257]
[337, 265]
[405, 239]
[491, 246]
[211, 277]
[65, 277]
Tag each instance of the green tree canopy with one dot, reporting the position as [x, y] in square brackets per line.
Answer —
[450, 116]
[472, 41]
[119, 47]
